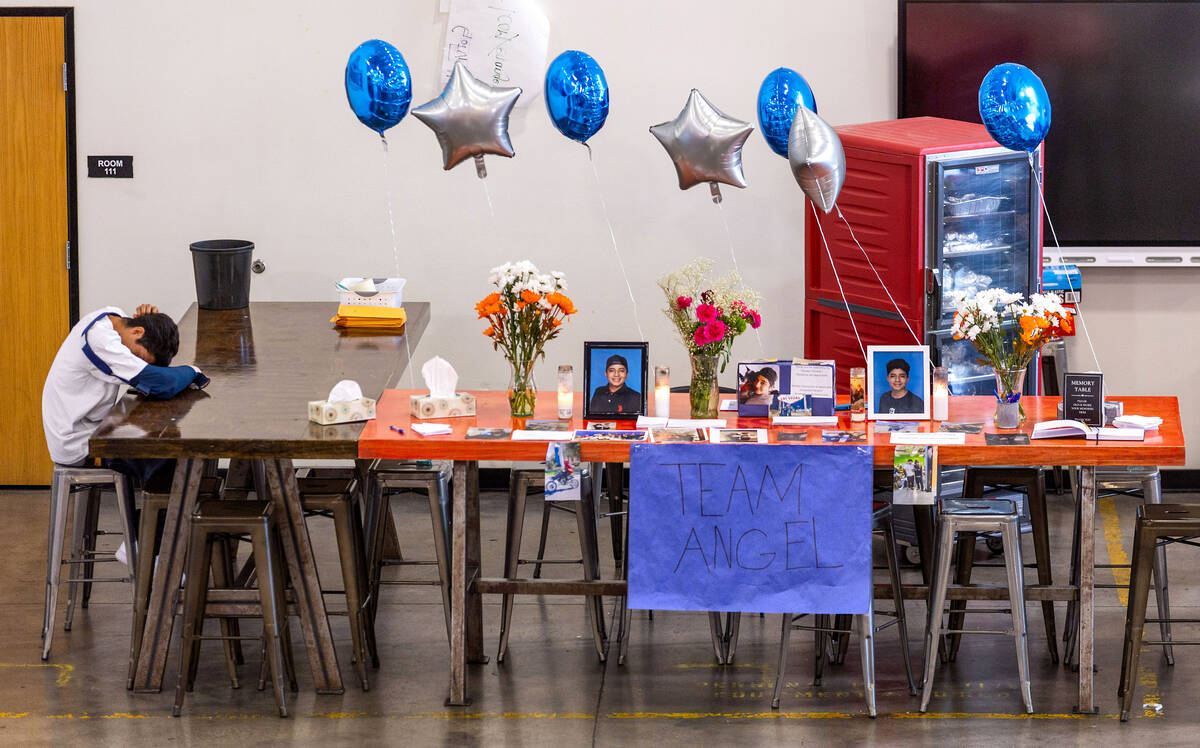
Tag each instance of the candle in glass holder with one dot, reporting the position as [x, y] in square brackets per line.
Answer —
[941, 393]
[858, 394]
[662, 391]
[566, 391]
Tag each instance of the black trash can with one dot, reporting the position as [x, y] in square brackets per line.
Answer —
[222, 269]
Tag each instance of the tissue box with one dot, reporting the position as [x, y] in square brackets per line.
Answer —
[427, 406]
[348, 411]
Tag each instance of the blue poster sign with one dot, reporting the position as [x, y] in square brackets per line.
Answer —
[766, 529]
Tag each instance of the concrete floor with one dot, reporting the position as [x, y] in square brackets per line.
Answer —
[552, 691]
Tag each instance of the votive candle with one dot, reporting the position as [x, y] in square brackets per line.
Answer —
[662, 392]
[941, 393]
[858, 394]
[566, 391]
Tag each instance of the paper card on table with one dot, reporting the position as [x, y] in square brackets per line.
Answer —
[914, 475]
[479, 432]
[791, 436]
[525, 435]
[431, 429]
[696, 423]
[647, 422]
[605, 435]
[804, 421]
[737, 436]
[770, 530]
[843, 436]
[555, 425]
[728, 404]
[929, 437]
[962, 427]
[564, 468]
[814, 377]
[670, 436]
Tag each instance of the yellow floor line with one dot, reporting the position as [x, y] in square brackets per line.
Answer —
[470, 716]
[64, 671]
[1111, 524]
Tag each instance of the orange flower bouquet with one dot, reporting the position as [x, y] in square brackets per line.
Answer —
[524, 313]
[1008, 332]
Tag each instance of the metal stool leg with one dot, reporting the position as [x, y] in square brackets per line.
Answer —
[589, 546]
[1041, 551]
[937, 600]
[1011, 535]
[893, 562]
[348, 555]
[90, 531]
[1144, 544]
[270, 584]
[79, 531]
[781, 665]
[439, 514]
[194, 598]
[1152, 493]
[60, 495]
[866, 625]
[518, 491]
[965, 562]
[547, 507]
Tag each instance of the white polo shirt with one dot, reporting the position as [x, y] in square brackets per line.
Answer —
[78, 394]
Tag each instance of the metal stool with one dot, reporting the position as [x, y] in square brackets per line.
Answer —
[213, 520]
[972, 516]
[1126, 481]
[881, 521]
[335, 498]
[1157, 526]
[385, 478]
[974, 484]
[64, 482]
[520, 481]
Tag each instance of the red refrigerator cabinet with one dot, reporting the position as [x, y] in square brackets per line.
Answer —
[939, 207]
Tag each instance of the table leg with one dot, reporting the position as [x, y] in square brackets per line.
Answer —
[160, 617]
[474, 602]
[302, 566]
[458, 587]
[926, 539]
[1087, 588]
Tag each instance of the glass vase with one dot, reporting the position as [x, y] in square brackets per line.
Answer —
[522, 392]
[705, 399]
[1009, 383]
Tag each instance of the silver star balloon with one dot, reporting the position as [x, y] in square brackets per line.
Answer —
[705, 144]
[470, 119]
[817, 159]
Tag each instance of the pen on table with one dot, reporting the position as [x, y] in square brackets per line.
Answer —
[397, 429]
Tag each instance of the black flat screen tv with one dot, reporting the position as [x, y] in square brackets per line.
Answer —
[1122, 158]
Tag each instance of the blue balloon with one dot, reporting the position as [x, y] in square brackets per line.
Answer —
[780, 93]
[1014, 106]
[378, 85]
[576, 95]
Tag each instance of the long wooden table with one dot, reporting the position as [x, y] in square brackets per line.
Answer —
[266, 362]
[1164, 447]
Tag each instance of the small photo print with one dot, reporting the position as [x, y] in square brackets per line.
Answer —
[479, 432]
[961, 428]
[1006, 439]
[556, 425]
[844, 436]
[605, 435]
[791, 436]
[795, 405]
[914, 474]
[887, 427]
[677, 436]
[564, 471]
[738, 436]
[601, 425]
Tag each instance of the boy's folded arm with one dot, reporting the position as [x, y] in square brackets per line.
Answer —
[162, 382]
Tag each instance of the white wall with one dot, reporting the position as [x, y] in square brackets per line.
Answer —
[236, 116]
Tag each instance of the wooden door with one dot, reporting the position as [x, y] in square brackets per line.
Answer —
[34, 220]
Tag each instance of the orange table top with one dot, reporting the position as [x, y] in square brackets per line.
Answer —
[1162, 447]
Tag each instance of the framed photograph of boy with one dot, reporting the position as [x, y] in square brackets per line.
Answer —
[614, 380]
[898, 382]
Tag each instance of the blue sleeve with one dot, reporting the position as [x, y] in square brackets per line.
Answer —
[163, 382]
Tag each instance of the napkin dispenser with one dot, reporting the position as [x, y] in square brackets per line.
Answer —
[442, 401]
[345, 404]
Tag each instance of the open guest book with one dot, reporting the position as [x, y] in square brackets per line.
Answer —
[1054, 429]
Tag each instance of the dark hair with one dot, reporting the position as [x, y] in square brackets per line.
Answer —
[766, 373]
[897, 363]
[160, 337]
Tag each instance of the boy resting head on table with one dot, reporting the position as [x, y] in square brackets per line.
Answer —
[105, 351]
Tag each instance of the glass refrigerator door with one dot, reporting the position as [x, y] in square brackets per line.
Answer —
[981, 236]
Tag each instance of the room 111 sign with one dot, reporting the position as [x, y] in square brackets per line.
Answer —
[770, 529]
[111, 167]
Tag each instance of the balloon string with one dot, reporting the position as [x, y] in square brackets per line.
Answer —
[839, 282]
[387, 190]
[488, 194]
[1058, 248]
[876, 272]
[733, 255]
[616, 251]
